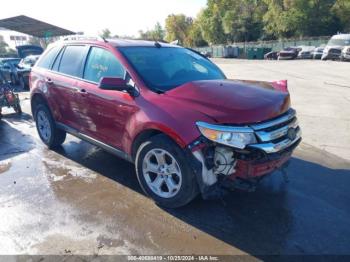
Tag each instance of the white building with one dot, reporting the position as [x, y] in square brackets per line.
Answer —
[13, 38]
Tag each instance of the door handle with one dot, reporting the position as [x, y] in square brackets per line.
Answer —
[82, 91]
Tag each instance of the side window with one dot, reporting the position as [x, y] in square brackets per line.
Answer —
[72, 61]
[102, 63]
[47, 60]
[56, 64]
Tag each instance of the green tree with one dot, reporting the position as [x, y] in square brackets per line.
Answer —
[156, 34]
[287, 18]
[341, 9]
[210, 21]
[178, 28]
[195, 37]
[242, 19]
[106, 33]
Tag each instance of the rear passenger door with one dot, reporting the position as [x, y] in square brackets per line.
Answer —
[66, 70]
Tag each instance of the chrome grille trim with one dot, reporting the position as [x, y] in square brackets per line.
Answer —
[273, 134]
[290, 114]
[274, 148]
[266, 136]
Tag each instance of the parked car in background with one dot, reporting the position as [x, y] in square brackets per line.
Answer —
[27, 50]
[206, 54]
[24, 68]
[335, 46]
[289, 53]
[8, 67]
[167, 109]
[271, 55]
[345, 55]
[306, 52]
[317, 53]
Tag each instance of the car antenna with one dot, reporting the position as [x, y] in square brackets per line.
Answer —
[156, 43]
[104, 39]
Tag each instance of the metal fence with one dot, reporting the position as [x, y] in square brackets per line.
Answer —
[276, 45]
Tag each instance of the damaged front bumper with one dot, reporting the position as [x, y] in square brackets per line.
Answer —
[276, 140]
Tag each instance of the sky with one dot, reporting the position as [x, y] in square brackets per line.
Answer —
[121, 17]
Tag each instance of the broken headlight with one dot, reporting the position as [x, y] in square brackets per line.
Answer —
[238, 137]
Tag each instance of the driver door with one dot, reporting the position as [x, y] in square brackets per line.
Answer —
[104, 112]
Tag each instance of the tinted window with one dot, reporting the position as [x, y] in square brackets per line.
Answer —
[168, 67]
[72, 60]
[102, 63]
[56, 64]
[47, 59]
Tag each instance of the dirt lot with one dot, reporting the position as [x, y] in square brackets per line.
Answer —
[81, 200]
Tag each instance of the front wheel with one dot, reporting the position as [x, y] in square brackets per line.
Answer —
[164, 174]
[46, 127]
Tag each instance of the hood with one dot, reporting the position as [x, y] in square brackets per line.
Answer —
[26, 50]
[232, 101]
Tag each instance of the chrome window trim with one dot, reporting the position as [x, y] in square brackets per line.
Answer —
[290, 114]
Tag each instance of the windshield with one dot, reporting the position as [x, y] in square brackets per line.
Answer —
[339, 42]
[165, 68]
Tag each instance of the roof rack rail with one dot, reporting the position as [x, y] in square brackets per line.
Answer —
[84, 37]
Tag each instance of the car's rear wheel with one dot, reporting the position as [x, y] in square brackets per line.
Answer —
[164, 173]
[46, 126]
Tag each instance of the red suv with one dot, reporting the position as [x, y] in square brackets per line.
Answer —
[167, 109]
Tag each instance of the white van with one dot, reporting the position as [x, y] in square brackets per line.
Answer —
[335, 45]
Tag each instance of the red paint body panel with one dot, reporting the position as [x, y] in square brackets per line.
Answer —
[251, 169]
[116, 118]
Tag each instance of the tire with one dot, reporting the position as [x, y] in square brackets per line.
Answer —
[46, 127]
[182, 179]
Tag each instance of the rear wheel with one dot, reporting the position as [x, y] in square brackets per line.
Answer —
[46, 127]
[164, 174]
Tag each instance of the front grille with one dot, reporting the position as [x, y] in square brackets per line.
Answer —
[277, 134]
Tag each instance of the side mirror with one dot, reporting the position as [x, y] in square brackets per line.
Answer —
[113, 83]
[117, 84]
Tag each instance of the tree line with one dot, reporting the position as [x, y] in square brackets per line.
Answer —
[227, 21]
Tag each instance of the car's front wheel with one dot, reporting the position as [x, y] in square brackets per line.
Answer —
[164, 173]
[46, 126]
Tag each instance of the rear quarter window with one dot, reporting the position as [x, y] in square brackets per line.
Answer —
[47, 59]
